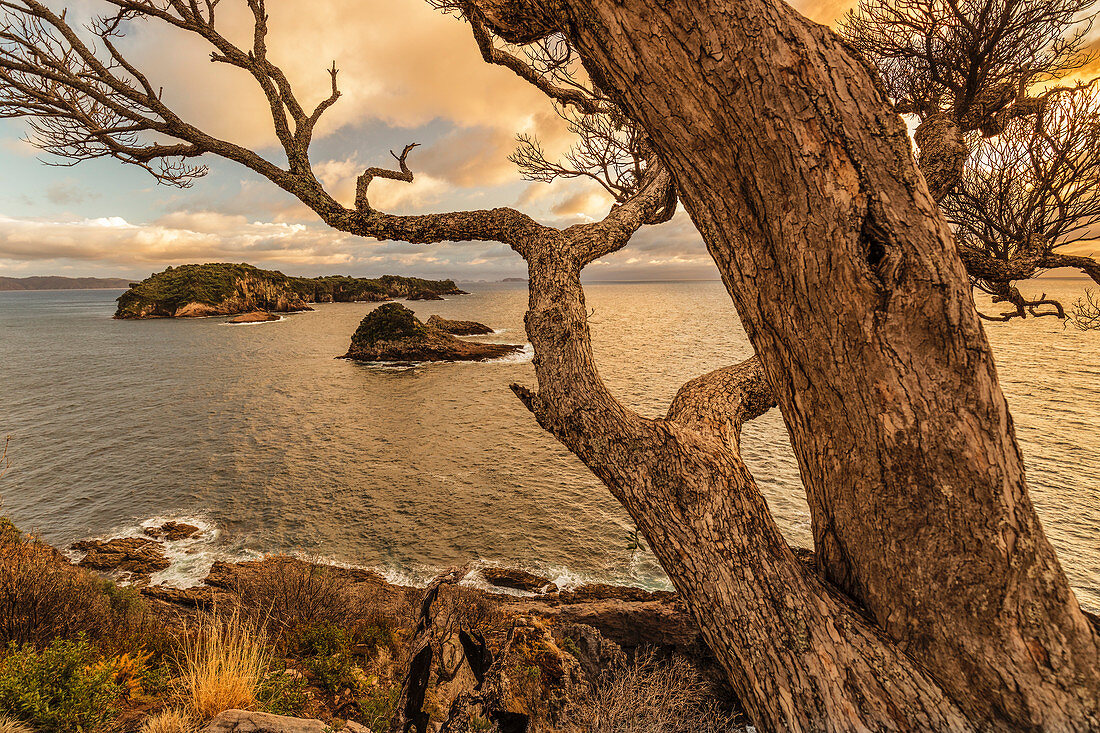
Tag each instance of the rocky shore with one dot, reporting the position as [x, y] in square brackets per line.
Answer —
[451, 656]
[392, 333]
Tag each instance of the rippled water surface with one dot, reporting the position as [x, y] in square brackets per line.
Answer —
[276, 446]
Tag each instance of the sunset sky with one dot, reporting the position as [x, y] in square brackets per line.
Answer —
[408, 74]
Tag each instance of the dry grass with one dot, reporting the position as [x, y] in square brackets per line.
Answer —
[651, 696]
[223, 662]
[7, 725]
[167, 721]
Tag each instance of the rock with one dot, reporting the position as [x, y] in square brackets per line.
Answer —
[517, 580]
[173, 531]
[247, 721]
[136, 555]
[630, 617]
[392, 333]
[254, 317]
[425, 295]
[458, 328]
[199, 597]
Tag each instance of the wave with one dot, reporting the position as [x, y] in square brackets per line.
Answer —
[191, 559]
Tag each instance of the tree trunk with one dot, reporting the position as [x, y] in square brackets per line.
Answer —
[799, 655]
[801, 180]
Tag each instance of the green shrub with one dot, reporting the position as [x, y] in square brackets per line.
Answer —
[9, 533]
[378, 705]
[60, 689]
[282, 692]
[327, 652]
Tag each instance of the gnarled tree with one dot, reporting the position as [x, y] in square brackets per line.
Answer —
[982, 79]
[937, 603]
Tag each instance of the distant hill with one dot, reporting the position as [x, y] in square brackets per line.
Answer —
[56, 282]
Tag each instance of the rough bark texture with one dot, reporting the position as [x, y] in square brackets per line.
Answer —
[801, 180]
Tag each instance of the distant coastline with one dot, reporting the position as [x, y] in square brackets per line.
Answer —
[56, 282]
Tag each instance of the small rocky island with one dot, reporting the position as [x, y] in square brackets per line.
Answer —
[254, 317]
[392, 333]
[226, 289]
[458, 328]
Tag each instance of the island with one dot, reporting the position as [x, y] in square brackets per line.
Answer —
[391, 333]
[458, 328]
[228, 289]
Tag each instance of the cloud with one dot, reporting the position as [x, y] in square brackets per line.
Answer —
[69, 191]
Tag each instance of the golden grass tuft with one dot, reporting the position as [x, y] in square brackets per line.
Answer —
[223, 661]
[7, 725]
[168, 721]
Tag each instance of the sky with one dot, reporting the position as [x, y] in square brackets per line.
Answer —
[407, 73]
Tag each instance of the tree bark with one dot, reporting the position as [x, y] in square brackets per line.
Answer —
[802, 182]
[799, 655]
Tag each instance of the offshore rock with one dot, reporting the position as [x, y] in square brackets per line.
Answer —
[136, 555]
[172, 531]
[458, 328]
[517, 580]
[392, 333]
[254, 317]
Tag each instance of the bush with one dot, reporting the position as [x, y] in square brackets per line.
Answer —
[283, 692]
[223, 664]
[61, 689]
[378, 705]
[289, 593]
[327, 652]
[42, 597]
[651, 696]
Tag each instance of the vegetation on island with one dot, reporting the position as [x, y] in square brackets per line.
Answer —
[222, 288]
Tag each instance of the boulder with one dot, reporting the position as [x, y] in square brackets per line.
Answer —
[391, 333]
[458, 328]
[137, 555]
[172, 531]
[254, 317]
[425, 295]
[517, 580]
[247, 721]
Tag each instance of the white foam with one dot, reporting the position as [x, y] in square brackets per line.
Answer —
[519, 357]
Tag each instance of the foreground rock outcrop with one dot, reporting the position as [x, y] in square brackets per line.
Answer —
[458, 328]
[225, 289]
[248, 721]
[391, 333]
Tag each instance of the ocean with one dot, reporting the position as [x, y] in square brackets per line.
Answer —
[262, 437]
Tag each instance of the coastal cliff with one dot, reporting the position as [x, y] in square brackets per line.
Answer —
[226, 289]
